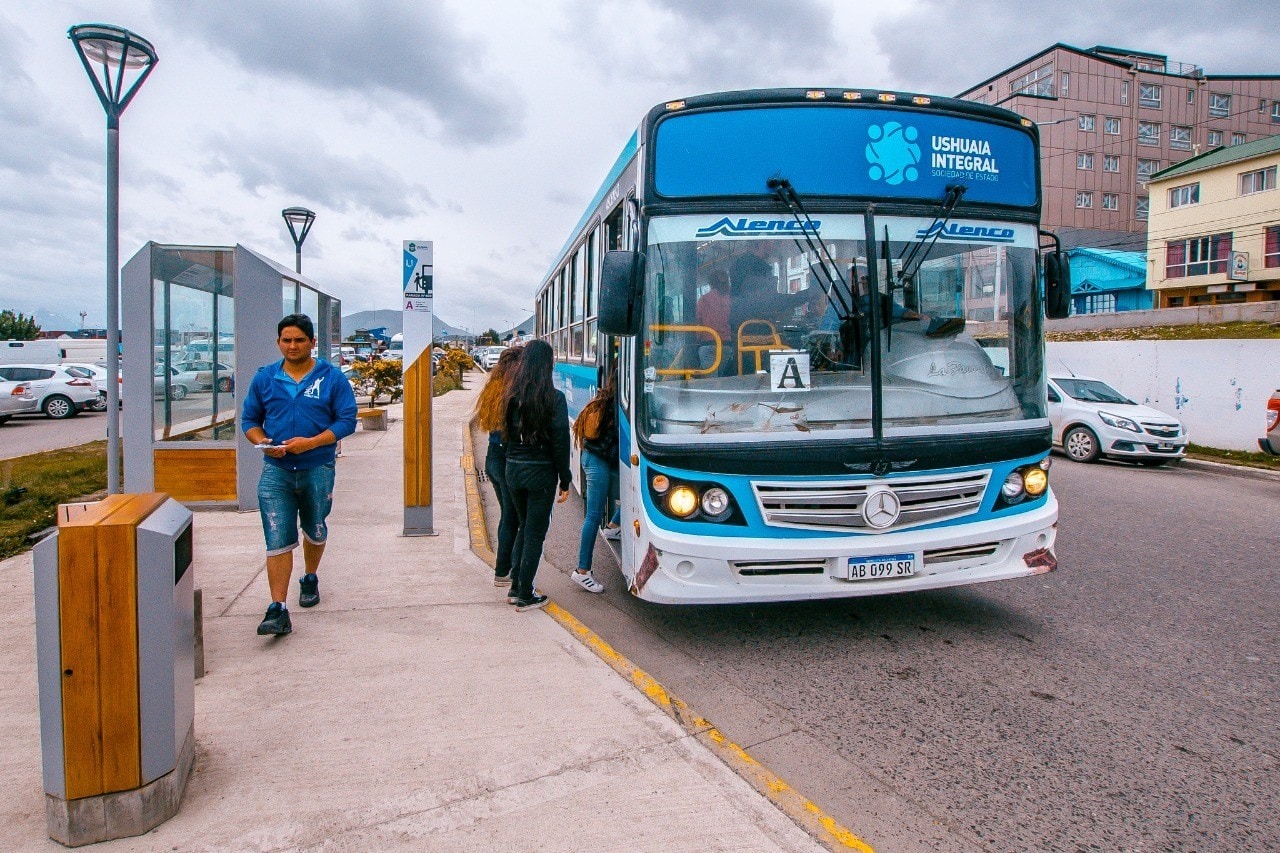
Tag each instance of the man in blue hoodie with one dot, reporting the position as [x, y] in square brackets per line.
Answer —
[297, 409]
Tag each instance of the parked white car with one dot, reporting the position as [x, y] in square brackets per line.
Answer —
[1091, 420]
[489, 357]
[60, 394]
[16, 398]
[96, 374]
[179, 383]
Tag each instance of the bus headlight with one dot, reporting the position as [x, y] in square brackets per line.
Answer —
[693, 500]
[1035, 481]
[1012, 490]
[716, 503]
[683, 501]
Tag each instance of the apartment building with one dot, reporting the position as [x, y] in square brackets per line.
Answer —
[1214, 235]
[1111, 118]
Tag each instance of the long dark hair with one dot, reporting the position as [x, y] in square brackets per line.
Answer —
[489, 409]
[529, 398]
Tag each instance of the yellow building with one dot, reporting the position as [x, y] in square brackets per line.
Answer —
[1214, 232]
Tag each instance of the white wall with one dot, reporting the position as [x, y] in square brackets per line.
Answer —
[1218, 389]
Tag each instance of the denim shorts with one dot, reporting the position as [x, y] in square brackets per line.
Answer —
[286, 498]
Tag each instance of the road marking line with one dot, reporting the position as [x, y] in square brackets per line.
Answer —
[791, 802]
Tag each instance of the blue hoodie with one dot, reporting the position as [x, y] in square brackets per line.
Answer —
[286, 409]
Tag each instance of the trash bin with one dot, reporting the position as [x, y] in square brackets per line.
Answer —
[115, 646]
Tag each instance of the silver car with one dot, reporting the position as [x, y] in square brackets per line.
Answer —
[16, 398]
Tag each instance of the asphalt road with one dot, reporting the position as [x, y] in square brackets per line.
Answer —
[26, 434]
[1125, 702]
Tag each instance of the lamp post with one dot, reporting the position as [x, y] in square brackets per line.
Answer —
[299, 220]
[108, 53]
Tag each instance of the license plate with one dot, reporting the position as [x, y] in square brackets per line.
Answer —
[1164, 445]
[880, 567]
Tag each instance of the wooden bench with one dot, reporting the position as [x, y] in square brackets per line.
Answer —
[375, 419]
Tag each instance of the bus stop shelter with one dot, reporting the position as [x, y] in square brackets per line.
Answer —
[197, 323]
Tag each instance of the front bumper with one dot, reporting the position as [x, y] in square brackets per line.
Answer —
[731, 570]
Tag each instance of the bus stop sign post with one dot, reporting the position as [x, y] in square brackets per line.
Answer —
[415, 306]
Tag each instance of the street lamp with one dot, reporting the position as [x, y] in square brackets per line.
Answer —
[299, 220]
[107, 53]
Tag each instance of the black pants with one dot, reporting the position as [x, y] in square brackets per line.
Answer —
[533, 491]
[495, 465]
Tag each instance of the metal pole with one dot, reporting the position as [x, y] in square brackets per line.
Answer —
[297, 260]
[113, 306]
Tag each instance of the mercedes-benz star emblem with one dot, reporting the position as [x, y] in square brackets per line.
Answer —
[881, 508]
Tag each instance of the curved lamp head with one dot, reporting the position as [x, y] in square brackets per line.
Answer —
[299, 220]
[114, 50]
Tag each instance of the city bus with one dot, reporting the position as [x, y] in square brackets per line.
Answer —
[824, 311]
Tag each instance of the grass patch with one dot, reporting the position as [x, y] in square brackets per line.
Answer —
[1234, 457]
[1252, 330]
[50, 478]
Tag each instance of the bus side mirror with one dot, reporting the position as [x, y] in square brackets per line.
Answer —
[1057, 286]
[620, 280]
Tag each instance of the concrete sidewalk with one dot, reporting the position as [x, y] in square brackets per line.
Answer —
[412, 709]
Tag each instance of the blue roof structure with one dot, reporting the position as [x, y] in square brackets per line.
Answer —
[1109, 271]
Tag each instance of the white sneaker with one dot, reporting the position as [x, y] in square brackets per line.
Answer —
[587, 581]
[613, 534]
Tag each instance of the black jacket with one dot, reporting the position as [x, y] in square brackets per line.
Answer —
[554, 452]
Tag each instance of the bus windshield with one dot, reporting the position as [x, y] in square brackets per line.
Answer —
[746, 334]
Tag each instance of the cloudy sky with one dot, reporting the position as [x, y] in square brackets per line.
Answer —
[485, 126]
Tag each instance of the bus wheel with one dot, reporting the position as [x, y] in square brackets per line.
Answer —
[1081, 444]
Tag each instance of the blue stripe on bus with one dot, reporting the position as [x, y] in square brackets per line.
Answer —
[739, 486]
[578, 382]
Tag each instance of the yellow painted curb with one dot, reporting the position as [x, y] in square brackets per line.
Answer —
[791, 802]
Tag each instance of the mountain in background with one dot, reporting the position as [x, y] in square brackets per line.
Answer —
[51, 322]
[393, 321]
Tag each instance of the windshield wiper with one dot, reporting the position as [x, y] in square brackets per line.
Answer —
[839, 292]
[919, 251]
[787, 194]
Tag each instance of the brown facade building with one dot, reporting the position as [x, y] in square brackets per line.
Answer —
[1111, 118]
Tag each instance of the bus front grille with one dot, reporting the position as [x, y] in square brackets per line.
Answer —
[758, 568]
[935, 556]
[837, 505]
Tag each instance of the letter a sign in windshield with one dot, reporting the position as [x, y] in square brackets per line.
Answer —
[789, 370]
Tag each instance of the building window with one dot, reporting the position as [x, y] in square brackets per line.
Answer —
[1275, 110]
[1219, 105]
[1124, 92]
[1111, 126]
[1142, 208]
[1087, 122]
[1147, 168]
[1271, 250]
[1148, 133]
[1110, 163]
[1084, 161]
[1038, 82]
[1099, 303]
[1237, 139]
[1184, 195]
[1197, 256]
[1180, 138]
[1149, 95]
[1215, 138]
[1110, 201]
[1066, 83]
[1191, 96]
[1084, 200]
[1258, 181]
